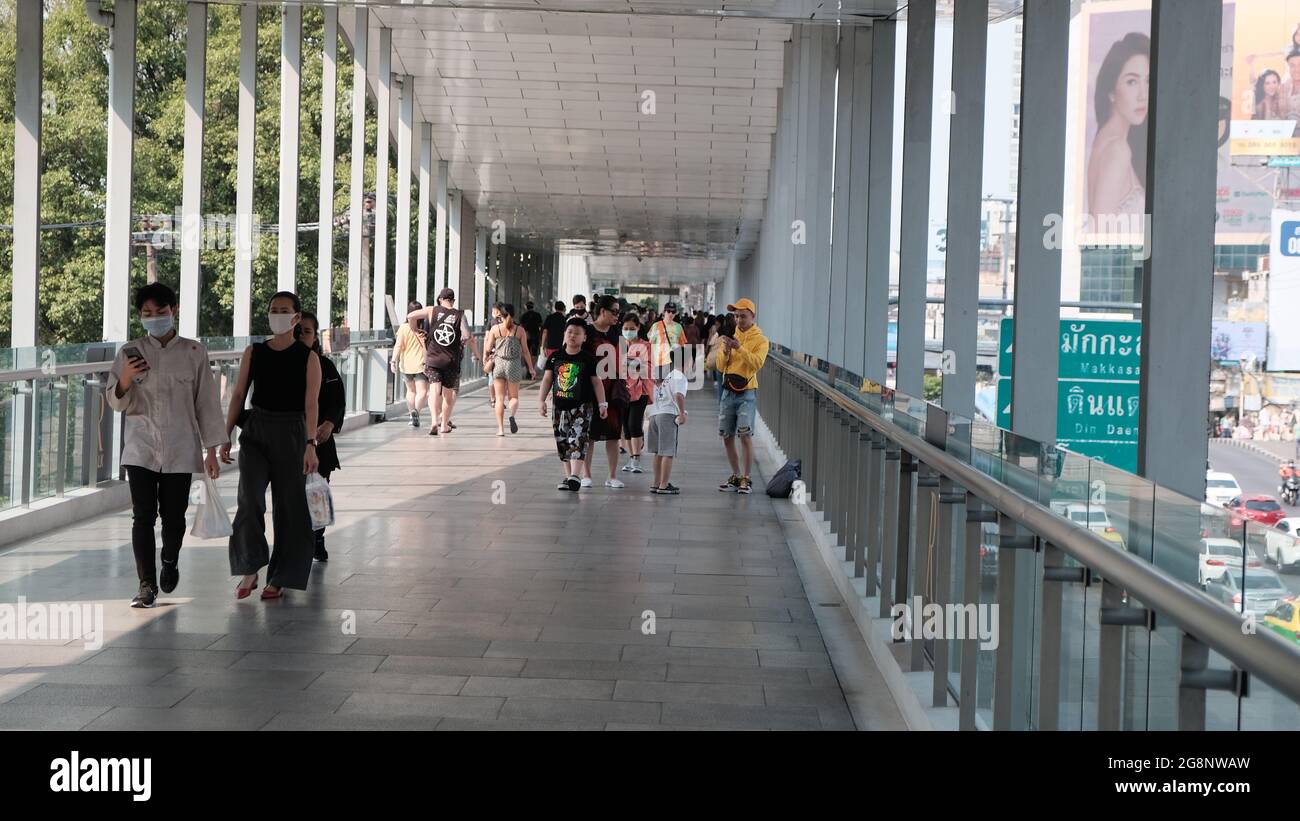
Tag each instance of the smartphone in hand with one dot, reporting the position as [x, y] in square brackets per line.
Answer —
[133, 352]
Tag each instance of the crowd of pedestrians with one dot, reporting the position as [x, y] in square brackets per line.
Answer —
[612, 373]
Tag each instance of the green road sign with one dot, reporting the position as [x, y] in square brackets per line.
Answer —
[1099, 419]
[1107, 349]
[1097, 389]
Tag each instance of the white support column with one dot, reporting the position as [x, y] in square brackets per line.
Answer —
[402, 253]
[453, 243]
[480, 272]
[384, 90]
[357, 186]
[290, 94]
[191, 227]
[328, 127]
[117, 194]
[422, 230]
[245, 241]
[440, 235]
[27, 173]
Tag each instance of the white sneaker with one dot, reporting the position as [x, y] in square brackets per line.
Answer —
[614, 483]
[636, 466]
[586, 481]
[628, 467]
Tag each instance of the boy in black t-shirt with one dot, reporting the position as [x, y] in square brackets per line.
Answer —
[571, 376]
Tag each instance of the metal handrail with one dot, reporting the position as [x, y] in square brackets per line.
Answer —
[79, 368]
[1262, 653]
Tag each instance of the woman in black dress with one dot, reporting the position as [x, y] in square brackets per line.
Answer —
[275, 449]
[333, 406]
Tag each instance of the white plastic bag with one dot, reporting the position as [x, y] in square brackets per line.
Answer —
[320, 502]
[210, 519]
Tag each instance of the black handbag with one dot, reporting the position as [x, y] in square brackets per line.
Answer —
[735, 382]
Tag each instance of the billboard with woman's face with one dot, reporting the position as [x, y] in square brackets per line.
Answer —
[1119, 82]
[1112, 107]
[1266, 78]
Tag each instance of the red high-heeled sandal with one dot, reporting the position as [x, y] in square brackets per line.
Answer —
[243, 592]
[268, 594]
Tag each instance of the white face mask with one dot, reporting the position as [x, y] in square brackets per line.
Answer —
[281, 323]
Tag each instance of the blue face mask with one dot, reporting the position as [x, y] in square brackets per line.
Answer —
[629, 335]
[157, 326]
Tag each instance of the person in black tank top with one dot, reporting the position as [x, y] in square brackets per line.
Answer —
[448, 334]
[277, 446]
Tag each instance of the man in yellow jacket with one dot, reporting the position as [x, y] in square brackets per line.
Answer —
[739, 359]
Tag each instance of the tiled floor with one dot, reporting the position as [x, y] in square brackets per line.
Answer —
[463, 592]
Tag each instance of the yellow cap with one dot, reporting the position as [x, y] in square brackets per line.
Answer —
[747, 304]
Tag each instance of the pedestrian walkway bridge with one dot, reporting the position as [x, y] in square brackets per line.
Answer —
[464, 591]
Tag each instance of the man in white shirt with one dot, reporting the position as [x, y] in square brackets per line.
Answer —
[163, 386]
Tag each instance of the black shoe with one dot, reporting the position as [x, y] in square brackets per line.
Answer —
[147, 597]
[433, 431]
[170, 575]
[514, 426]
[574, 483]
[668, 490]
[321, 555]
[415, 419]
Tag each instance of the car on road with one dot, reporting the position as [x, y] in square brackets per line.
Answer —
[1282, 544]
[1261, 592]
[1285, 619]
[1092, 517]
[1257, 508]
[1220, 487]
[1218, 556]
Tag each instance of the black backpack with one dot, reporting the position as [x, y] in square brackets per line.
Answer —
[781, 485]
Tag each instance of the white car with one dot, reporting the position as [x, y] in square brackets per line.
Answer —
[1282, 546]
[1220, 488]
[1217, 557]
[1092, 517]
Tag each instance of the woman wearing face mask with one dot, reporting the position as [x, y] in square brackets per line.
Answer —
[274, 448]
[639, 386]
[162, 385]
[333, 406]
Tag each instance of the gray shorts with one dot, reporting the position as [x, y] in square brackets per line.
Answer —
[661, 435]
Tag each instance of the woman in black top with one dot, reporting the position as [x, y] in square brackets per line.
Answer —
[333, 406]
[274, 448]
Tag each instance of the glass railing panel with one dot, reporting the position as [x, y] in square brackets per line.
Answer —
[1121, 509]
[75, 471]
[48, 409]
[987, 594]
[8, 494]
[1079, 636]
[1265, 708]
[986, 453]
[1024, 460]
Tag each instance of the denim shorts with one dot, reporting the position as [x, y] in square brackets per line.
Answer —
[736, 413]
